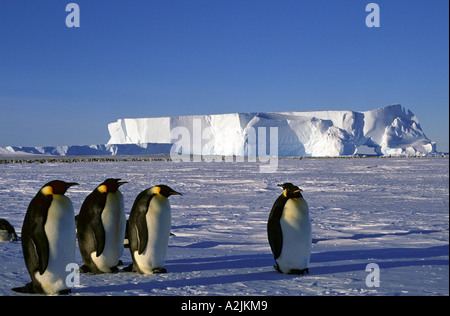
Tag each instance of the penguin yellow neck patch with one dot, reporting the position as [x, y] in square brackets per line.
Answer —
[155, 190]
[48, 190]
[103, 188]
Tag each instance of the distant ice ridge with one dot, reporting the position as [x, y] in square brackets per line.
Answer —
[88, 150]
[390, 130]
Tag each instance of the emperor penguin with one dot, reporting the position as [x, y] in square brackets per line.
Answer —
[289, 231]
[149, 229]
[48, 239]
[101, 228]
[7, 231]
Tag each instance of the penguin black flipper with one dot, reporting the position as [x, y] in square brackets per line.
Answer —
[274, 227]
[41, 246]
[36, 252]
[137, 224]
[90, 222]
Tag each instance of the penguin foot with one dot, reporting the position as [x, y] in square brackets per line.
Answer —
[115, 269]
[85, 269]
[128, 268]
[293, 271]
[299, 272]
[28, 288]
[277, 268]
[65, 292]
[132, 268]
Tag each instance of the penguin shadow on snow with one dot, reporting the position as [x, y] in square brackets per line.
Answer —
[208, 244]
[255, 267]
[258, 267]
[221, 262]
[175, 227]
[377, 235]
[260, 263]
[393, 257]
[385, 257]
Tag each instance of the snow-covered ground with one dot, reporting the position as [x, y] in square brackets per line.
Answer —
[392, 212]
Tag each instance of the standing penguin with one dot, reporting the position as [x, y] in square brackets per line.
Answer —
[7, 231]
[48, 239]
[289, 231]
[149, 229]
[101, 228]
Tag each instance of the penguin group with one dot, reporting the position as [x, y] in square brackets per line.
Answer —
[50, 230]
[49, 233]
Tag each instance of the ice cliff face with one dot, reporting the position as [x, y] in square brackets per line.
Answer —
[383, 131]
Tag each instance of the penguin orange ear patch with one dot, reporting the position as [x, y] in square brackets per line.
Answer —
[103, 188]
[155, 190]
[47, 190]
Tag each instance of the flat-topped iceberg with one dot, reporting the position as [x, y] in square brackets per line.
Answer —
[383, 131]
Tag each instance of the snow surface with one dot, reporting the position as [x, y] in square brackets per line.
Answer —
[393, 212]
[387, 130]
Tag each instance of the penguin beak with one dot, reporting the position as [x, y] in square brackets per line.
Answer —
[70, 184]
[175, 193]
[120, 183]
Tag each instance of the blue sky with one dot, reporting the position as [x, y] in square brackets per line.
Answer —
[144, 58]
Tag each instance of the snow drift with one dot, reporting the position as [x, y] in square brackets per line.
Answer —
[384, 131]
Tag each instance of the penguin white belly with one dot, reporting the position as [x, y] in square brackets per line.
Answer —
[60, 231]
[4, 235]
[297, 238]
[114, 223]
[158, 220]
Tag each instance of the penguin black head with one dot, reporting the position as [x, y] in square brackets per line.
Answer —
[290, 190]
[285, 185]
[56, 187]
[110, 185]
[164, 190]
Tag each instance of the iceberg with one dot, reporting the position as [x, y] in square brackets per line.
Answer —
[390, 130]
